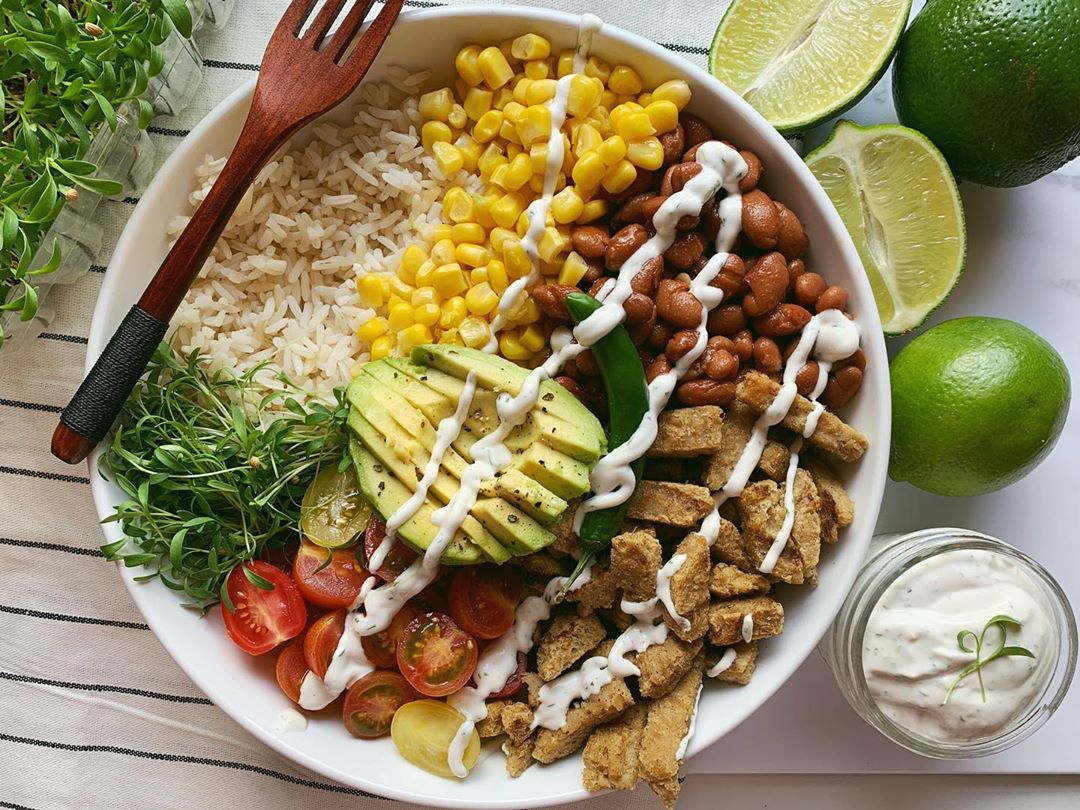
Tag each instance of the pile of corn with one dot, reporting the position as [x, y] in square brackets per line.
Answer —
[496, 121]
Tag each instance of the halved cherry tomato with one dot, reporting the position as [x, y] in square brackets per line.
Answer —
[381, 648]
[333, 512]
[514, 682]
[262, 618]
[435, 597]
[371, 702]
[335, 586]
[291, 669]
[423, 731]
[399, 558]
[435, 655]
[322, 639]
[483, 599]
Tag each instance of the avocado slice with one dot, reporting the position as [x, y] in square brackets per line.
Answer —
[512, 526]
[566, 477]
[513, 486]
[386, 494]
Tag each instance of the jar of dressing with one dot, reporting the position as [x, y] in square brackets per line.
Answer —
[952, 643]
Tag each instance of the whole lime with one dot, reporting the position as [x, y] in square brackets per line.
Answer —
[977, 404]
[995, 84]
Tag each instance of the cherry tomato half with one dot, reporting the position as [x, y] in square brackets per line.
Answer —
[291, 669]
[337, 584]
[435, 655]
[262, 618]
[371, 702]
[333, 512]
[483, 599]
[399, 558]
[381, 648]
[322, 639]
[514, 682]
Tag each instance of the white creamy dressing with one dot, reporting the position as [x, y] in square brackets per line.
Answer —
[747, 629]
[663, 588]
[911, 657]
[724, 664]
[680, 752]
[289, 720]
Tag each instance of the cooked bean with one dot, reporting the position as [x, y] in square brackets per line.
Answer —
[673, 142]
[661, 365]
[841, 387]
[677, 176]
[795, 268]
[768, 282]
[661, 334]
[587, 364]
[598, 285]
[719, 342]
[590, 241]
[749, 181]
[808, 287]
[732, 276]
[681, 342]
[639, 308]
[806, 378]
[727, 319]
[833, 298]
[640, 333]
[633, 210]
[760, 219]
[858, 359]
[677, 305]
[696, 131]
[705, 392]
[767, 356]
[721, 364]
[648, 277]
[623, 244]
[685, 250]
[551, 298]
[791, 239]
[571, 385]
[784, 319]
[593, 272]
[744, 345]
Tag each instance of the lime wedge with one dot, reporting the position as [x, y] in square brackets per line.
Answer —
[799, 62]
[898, 200]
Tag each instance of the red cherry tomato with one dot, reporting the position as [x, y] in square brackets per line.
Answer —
[514, 682]
[262, 618]
[381, 648]
[291, 669]
[435, 597]
[371, 702]
[399, 558]
[435, 655]
[337, 584]
[483, 599]
[322, 639]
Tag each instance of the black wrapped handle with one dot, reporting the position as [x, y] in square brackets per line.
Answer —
[97, 403]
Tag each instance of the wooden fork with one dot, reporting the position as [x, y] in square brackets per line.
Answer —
[302, 76]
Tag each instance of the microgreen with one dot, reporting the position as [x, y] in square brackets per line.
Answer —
[214, 467]
[65, 69]
[969, 642]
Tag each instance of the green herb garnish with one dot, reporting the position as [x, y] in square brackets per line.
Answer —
[215, 468]
[966, 637]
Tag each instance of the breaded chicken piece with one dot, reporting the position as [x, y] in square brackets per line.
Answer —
[612, 751]
[761, 506]
[607, 704]
[837, 508]
[738, 424]
[532, 682]
[598, 592]
[543, 564]
[728, 547]
[635, 560]
[517, 720]
[663, 665]
[742, 668]
[806, 531]
[774, 460]
[833, 435]
[688, 432]
[726, 620]
[519, 755]
[566, 542]
[667, 724]
[492, 725]
[728, 582]
[566, 639]
[690, 589]
[670, 504]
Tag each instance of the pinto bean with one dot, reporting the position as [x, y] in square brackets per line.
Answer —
[677, 305]
[858, 359]
[622, 245]
[768, 282]
[674, 143]
[639, 308]
[727, 319]
[633, 210]
[705, 392]
[721, 364]
[731, 278]
[660, 365]
[685, 250]
[598, 285]
[571, 385]
[795, 268]
[681, 342]
[661, 334]
[641, 332]
[767, 356]
[551, 298]
[833, 298]
[677, 176]
[744, 345]
[587, 364]
[841, 387]
[592, 273]
[748, 182]
[696, 130]
[808, 287]
[791, 239]
[784, 319]
[648, 277]
[760, 219]
[807, 377]
[590, 241]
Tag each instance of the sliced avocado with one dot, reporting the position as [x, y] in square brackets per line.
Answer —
[514, 486]
[514, 528]
[386, 494]
[433, 405]
[566, 477]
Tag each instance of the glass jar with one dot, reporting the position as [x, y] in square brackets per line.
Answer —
[891, 556]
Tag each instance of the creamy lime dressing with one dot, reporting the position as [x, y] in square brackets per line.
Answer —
[680, 752]
[724, 664]
[289, 720]
[747, 629]
[911, 657]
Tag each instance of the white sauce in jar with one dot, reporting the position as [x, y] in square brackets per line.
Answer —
[911, 655]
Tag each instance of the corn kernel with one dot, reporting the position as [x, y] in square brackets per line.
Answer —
[449, 280]
[448, 158]
[624, 80]
[622, 108]
[537, 69]
[593, 210]
[538, 156]
[470, 232]
[413, 336]
[498, 176]
[474, 331]
[427, 314]
[372, 328]
[586, 139]
[588, 171]
[461, 88]
[481, 299]
[645, 99]
[612, 150]
[516, 258]
[619, 177]
[573, 269]
[540, 91]
[530, 46]
[436, 105]
[526, 311]
[534, 124]
[566, 63]
[467, 65]
[395, 301]
[482, 211]
[663, 115]
[503, 96]
[424, 274]
[521, 88]
[451, 336]
[424, 295]
[506, 210]
[510, 347]
[494, 67]
[566, 206]
[505, 49]
[552, 243]
[401, 289]
[489, 161]
[470, 151]
[508, 133]
[608, 99]
[518, 172]
[441, 231]
[371, 293]
[434, 132]
[477, 102]
[478, 275]
[442, 252]
[400, 317]
[597, 68]
[453, 313]
[522, 225]
[633, 126]
[411, 259]
[381, 347]
[497, 277]
[513, 150]
[512, 112]
[533, 338]
[498, 237]
[584, 94]
[457, 207]
[472, 255]
[487, 126]
[457, 117]
[676, 91]
[647, 154]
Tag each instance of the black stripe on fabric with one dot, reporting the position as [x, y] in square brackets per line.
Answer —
[217, 63]
[130, 200]
[10, 806]
[190, 760]
[172, 133]
[60, 617]
[48, 476]
[97, 268]
[31, 406]
[678, 47]
[98, 687]
[87, 552]
[63, 338]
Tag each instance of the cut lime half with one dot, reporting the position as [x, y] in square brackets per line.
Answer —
[899, 202]
[799, 62]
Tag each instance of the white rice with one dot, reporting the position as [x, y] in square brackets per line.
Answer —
[280, 284]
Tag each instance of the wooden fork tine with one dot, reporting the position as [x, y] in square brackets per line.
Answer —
[325, 18]
[348, 28]
[368, 46]
[293, 19]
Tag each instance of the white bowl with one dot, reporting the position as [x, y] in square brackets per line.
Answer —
[244, 686]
